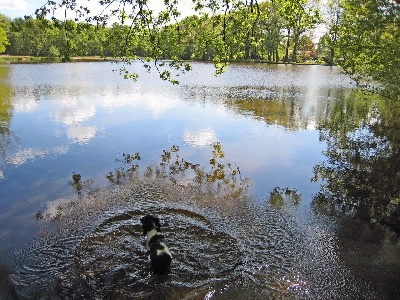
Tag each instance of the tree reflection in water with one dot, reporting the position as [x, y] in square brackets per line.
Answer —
[361, 175]
[6, 112]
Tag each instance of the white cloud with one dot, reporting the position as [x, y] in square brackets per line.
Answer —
[14, 4]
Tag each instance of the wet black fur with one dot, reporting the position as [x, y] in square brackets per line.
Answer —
[149, 223]
[159, 263]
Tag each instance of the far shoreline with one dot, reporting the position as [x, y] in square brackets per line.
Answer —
[24, 59]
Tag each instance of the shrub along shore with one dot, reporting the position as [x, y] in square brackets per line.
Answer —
[21, 59]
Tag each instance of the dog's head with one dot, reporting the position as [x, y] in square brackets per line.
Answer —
[149, 223]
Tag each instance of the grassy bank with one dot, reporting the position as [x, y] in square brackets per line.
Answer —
[10, 59]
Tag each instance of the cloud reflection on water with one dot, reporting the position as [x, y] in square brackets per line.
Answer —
[159, 104]
[29, 154]
[81, 134]
[115, 98]
[200, 138]
[71, 112]
[26, 105]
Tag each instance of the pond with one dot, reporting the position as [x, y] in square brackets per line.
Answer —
[225, 162]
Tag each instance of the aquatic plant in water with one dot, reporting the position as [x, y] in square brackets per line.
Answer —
[222, 178]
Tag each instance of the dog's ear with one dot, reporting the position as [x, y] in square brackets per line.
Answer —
[147, 224]
[157, 223]
[147, 220]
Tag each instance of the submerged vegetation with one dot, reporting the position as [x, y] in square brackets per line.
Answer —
[221, 178]
[220, 182]
[280, 197]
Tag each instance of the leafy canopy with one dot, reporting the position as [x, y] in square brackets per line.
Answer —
[369, 42]
[3, 34]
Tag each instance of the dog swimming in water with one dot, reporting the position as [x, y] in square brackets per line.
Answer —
[159, 255]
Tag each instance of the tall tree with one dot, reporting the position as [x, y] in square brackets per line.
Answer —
[370, 43]
[299, 16]
[333, 16]
[271, 26]
[3, 34]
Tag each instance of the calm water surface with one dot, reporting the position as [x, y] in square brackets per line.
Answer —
[80, 239]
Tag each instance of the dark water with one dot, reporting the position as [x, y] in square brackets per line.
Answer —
[231, 235]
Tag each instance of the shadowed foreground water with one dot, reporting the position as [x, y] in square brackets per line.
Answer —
[221, 250]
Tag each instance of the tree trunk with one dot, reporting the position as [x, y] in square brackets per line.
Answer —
[286, 58]
[295, 44]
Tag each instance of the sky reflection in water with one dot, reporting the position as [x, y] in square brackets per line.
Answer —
[61, 119]
[78, 118]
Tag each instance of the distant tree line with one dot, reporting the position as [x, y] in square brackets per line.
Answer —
[272, 33]
[52, 38]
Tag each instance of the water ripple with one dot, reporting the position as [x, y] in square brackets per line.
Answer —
[249, 252]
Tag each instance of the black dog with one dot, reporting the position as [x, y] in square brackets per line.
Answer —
[160, 257]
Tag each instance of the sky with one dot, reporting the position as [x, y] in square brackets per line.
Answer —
[20, 8]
